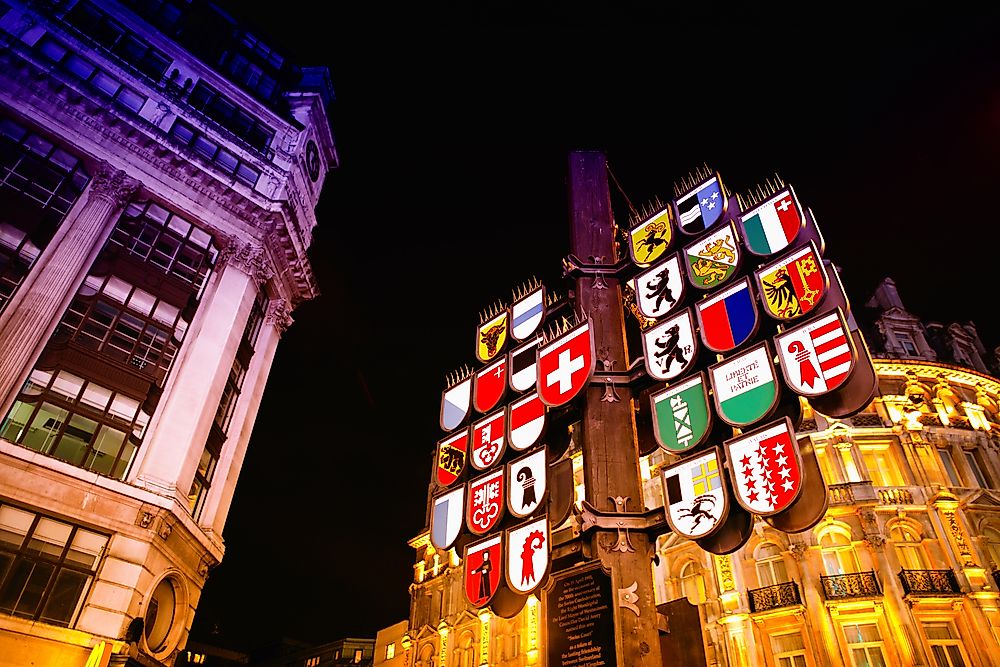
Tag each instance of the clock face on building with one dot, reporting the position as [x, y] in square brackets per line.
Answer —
[312, 160]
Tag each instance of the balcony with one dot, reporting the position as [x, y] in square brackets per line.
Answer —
[852, 493]
[854, 585]
[929, 582]
[774, 597]
[894, 496]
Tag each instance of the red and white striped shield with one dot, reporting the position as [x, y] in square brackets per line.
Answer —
[818, 356]
[565, 365]
[525, 421]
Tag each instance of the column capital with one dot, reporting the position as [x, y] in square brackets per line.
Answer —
[249, 258]
[112, 184]
[279, 315]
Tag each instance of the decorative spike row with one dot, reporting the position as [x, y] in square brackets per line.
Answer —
[456, 376]
[759, 193]
[646, 211]
[492, 311]
[693, 178]
[521, 291]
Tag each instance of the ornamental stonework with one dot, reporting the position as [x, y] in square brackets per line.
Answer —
[113, 185]
[279, 315]
[249, 258]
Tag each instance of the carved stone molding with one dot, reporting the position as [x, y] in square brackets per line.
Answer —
[798, 550]
[112, 184]
[279, 315]
[249, 258]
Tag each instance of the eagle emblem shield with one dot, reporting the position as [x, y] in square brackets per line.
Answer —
[681, 414]
[486, 502]
[818, 356]
[526, 483]
[694, 496]
[528, 549]
[488, 440]
[565, 365]
[765, 467]
[451, 455]
[670, 347]
[744, 387]
[713, 259]
[660, 288]
[491, 336]
[651, 238]
[793, 285]
[483, 570]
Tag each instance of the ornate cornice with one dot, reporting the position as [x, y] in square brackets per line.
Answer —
[249, 258]
[279, 315]
[112, 184]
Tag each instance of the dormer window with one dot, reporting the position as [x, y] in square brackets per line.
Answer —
[905, 341]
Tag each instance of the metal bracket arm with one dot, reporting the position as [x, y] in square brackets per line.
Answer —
[575, 267]
[651, 521]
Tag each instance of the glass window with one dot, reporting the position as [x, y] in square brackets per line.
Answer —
[908, 547]
[948, 463]
[883, 470]
[692, 583]
[228, 114]
[946, 646]
[390, 651]
[159, 619]
[865, 645]
[991, 540]
[906, 342]
[977, 471]
[789, 650]
[771, 568]
[838, 553]
[46, 566]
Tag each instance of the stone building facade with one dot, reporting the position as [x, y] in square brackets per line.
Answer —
[159, 172]
[903, 569]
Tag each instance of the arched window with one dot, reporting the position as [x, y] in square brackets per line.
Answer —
[466, 651]
[838, 553]
[991, 541]
[692, 583]
[909, 549]
[426, 656]
[771, 568]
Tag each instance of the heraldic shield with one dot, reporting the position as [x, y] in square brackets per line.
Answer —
[525, 421]
[728, 319]
[793, 285]
[744, 386]
[681, 415]
[565, 365]
[660, 288]
[489, 385]
[488, 440]
[713, 259]
[669, 348]
[527, 313]
[486, 502]
[521, 362]
[526, 479]
[483, 570]
[528, 555]
[651, 238]
[766, 468]
[451, 455]
[818, 356]
[702, 207]
[455, 401]
[694, 495]
[446, 517]
[772, 226]
[491, 336]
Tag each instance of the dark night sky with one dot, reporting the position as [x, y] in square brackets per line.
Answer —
[454, 131]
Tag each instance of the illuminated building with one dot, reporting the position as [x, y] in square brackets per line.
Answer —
[159, 173]
[903, 569]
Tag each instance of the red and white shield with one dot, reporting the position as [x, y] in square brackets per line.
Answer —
[528, 548]
[489, 385]
[486, 502]
[565, 365]
[766, 468]
[525, 421]
[488, 440]
[483, 570]
[451, 455]
[818, 356]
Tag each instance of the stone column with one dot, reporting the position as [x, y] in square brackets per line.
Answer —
[179, 429]
[817, 617]
[38, 305]
[227, 471]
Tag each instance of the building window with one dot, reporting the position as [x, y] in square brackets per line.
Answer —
[948, 463]
[159, 618]
[865, 645]
[771, 568]
[390, 651]
[789, 650]
[883, 470]
[945, 644]
[991, 539]
[85, 424]
[96, 79]
[908, 547]
[357, 655]
[978, 471]
[838, 553]
[113, 36]
[166, 241]
[209, 149]
[229, 115]
[46, 566]
[905, 341]
[692, 583]
[312, 662]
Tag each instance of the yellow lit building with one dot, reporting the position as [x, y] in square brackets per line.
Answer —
[901, 570]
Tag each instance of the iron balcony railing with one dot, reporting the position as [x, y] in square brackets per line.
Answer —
[853, 585]
[929, 582]
[774, 597]
[852, 493]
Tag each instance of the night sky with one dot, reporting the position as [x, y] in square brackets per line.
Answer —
[454, 133]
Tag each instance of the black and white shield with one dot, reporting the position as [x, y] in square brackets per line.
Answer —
[526, 483]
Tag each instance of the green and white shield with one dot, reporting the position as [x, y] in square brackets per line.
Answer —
[681, 416]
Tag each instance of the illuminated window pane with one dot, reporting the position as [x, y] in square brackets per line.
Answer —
[949, 467]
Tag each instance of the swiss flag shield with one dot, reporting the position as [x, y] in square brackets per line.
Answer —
[565, 365]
